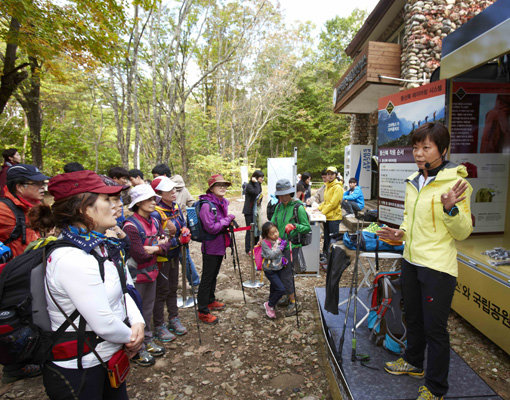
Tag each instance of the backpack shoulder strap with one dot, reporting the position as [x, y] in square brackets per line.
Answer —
[133, 221]
[20, 228]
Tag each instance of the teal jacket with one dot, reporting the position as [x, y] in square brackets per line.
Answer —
[284, 214]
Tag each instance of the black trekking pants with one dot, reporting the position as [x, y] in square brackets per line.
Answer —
[427, 297]
[210, 268]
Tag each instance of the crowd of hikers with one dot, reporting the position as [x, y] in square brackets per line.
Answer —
[110, 246]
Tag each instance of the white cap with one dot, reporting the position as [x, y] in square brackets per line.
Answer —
[140, 193]
[163, 184]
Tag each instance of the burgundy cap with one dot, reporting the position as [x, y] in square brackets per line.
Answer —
[73, 183]
[217, 178]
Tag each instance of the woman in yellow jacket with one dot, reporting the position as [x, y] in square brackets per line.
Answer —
[437, 212]
[331, 207]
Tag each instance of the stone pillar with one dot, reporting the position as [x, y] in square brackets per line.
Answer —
[359, 129]
[426, 23]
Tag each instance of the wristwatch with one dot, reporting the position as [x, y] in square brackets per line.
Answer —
[453, 212]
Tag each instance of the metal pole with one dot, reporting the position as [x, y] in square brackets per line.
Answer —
[184, 301]
[252, 283]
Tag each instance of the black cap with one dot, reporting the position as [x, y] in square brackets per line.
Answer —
[25, 171]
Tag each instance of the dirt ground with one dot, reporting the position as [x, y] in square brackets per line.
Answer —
[247, 356]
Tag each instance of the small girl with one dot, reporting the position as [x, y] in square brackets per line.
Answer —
[273, 263]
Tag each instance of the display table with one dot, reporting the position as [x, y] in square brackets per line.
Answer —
[482, 295]
[311, 252]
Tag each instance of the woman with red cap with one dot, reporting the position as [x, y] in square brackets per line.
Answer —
[215, 221]
[81, 278]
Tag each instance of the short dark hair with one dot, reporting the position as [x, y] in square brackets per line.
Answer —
[305, 176]
[118, 172]
[353, 180]
[8, 153]
[11, 184]
[257, 174]
[73, 167]
[134, 173]
[324, 172]
[266, 228]
[436, 132]
[162, 169]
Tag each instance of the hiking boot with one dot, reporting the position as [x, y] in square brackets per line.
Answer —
[270, 312]
[176, 327]
[154, 349]
[402, 367]
[424, 394]
[216, 306]
[27, 371]
[144, 359]
[283, 302]
[163, 334]
[207, 318]
[291, 309]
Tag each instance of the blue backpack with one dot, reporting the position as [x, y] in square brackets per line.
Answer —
[370, 242]
[198, 234]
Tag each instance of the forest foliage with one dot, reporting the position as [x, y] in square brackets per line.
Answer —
[204, 86]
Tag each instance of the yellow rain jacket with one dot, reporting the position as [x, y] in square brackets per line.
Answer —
[429, 232]
[332, 205]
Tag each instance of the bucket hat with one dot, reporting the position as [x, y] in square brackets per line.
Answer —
[25, 171]
[140, 193]
[73, 183]
[163, 184]
[283, 186]
[216, 178]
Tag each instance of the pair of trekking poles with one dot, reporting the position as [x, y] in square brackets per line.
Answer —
[363, 358]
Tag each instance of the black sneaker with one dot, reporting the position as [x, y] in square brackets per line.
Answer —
[27, 371]
[144, 359]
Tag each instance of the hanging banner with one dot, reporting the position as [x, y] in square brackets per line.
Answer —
[480, 139]
[399, 116]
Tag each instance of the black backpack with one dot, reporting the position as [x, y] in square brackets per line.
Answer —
[386, 318]
[20, 229]
[25, 329]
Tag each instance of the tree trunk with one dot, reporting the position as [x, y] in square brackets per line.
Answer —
[31, 103]
[12, 76]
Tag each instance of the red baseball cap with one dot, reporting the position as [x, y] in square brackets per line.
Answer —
[73, 183]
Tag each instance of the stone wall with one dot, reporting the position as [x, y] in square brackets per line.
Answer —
[359, 128]
[427, 22]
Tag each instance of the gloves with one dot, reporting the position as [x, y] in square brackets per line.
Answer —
[231, 216]
[289, 228]
[284, 261]
[185, 236]
[283, 244]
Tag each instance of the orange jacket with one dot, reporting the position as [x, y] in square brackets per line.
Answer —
[8, 222]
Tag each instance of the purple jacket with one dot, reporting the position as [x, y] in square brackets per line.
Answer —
[216, 225]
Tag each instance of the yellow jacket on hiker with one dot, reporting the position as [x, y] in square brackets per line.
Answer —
[331, 207]
[429, 232]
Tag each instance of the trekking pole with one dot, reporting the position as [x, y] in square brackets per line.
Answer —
[294, 283]
[342, 338]
[363, 358]
[185, 259]
[235, 258]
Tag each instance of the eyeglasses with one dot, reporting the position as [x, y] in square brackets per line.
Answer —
[221, 185]
[38, 184]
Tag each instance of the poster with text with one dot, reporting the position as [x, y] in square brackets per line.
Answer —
[480, 140]
[399, 116]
